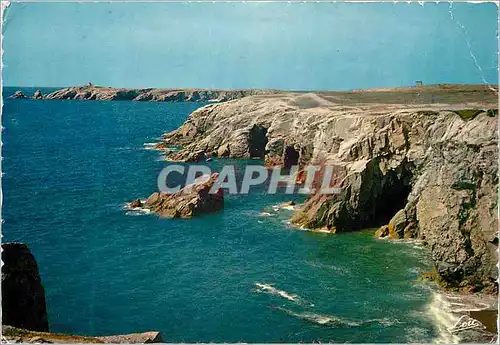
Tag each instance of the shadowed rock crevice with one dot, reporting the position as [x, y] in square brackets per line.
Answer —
[395, 189]
[257, 141]
[369, 199]
[290, 157]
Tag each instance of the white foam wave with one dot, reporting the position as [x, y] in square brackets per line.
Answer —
[336, 269]
[140, 212]
[320, 319]
[440, 311]
[136, 211]
[319, 230]
[386, 322]
[283, 206]
[125, 148]
[268, 288]
[416, 334]
[333, 320]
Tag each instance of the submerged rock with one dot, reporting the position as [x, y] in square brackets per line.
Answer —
[190, 201]
[423, 169]
[23, 296]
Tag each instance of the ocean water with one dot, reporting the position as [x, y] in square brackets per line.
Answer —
[239, 275]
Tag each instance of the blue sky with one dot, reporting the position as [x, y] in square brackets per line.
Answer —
[307, 46]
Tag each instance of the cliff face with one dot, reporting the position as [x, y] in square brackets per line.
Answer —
[23, 296]
[155, 95]
[432, 168]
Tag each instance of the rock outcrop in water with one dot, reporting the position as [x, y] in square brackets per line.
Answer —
[190, 201]
[23, 296]
[18, 95]
[91, 92]
[427, 169]
[38, 94]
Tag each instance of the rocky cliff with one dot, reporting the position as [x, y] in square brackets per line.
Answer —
[91, 92]
[23, 296]
[424, 160]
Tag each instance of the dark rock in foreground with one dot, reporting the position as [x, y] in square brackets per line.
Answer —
[190, 201]
[23, 296]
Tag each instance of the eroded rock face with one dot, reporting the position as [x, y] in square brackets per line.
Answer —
[428, 171]
[455, 199]
[190, 201]
[23, 296]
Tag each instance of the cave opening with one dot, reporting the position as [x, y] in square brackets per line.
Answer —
[290, 157]
[257, 141]
[395, 189]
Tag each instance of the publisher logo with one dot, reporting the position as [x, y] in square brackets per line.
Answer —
[466, 322]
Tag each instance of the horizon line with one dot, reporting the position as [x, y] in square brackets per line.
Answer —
[415, 85]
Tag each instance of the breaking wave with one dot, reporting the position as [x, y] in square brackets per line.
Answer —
[136, 211]
[447, 308]
[334, 321]
[439, 310]
[269, 289]
[150, 146]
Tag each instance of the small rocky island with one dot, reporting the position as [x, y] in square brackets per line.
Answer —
[18, 95]
[423, 160]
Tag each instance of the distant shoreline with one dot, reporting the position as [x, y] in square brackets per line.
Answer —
[103, 93]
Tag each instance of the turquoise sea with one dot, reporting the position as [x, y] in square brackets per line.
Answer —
[234, 276]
